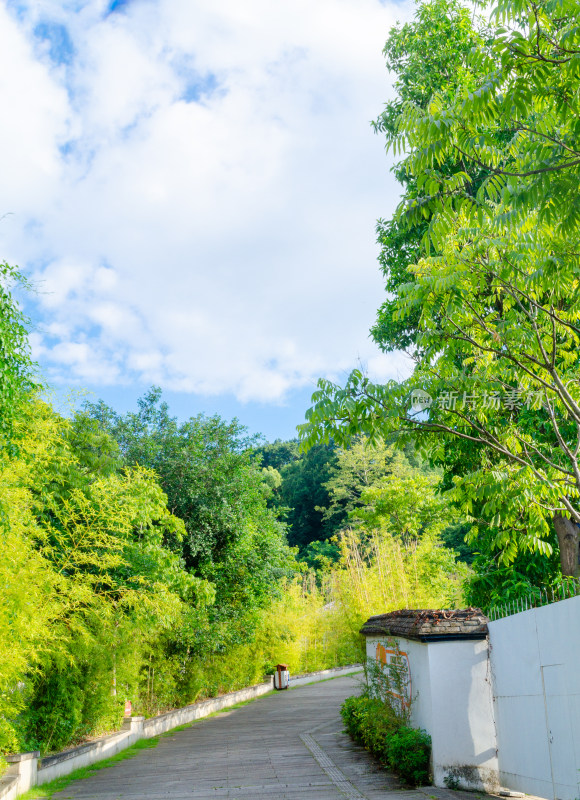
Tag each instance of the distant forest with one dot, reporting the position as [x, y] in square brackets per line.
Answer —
[316, 492]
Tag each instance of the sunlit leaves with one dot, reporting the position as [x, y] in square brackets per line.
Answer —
[499, 337]
[16, 368]
[84, 569]
[519, 123]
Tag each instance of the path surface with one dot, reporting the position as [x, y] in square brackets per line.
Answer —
[284, 746]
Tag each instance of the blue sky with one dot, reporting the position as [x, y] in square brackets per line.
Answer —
[270, 420]
[193, 189]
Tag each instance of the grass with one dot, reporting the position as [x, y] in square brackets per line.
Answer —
[48, 789]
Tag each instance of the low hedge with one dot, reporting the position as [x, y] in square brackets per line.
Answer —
[374, 724]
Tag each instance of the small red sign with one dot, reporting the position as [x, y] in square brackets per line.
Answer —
[128, 708]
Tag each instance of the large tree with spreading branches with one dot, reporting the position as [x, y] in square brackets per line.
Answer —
[489, 298]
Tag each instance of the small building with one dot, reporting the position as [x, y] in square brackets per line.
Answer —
[440, 660]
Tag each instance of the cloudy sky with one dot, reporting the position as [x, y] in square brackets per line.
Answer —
[193, 187]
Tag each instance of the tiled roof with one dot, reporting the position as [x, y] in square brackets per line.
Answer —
[429, 625]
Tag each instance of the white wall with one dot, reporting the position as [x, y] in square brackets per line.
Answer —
[418, 691]
[535, 657]
[452, 700]
[324, 675]
[66, 762]
[9, 787]
[155, 726]
[464, 737]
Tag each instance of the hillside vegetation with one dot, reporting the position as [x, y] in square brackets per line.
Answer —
[160, 561]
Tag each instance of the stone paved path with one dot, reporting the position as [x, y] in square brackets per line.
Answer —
[284, 746]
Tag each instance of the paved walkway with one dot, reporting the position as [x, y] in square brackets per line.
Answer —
[284, 746]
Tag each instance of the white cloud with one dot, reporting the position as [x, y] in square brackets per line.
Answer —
[35, 120]
[208, 222]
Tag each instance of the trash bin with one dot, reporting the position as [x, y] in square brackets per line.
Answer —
[281, 676]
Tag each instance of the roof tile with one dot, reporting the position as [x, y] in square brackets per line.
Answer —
[429, 624]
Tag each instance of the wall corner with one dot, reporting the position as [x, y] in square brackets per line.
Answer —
[24, 766]
[134, 725]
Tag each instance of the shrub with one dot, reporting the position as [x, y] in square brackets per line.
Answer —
[408, 754]
[375, 725]
[370, 722]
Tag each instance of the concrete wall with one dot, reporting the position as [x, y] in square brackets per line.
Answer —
[535, 656]
[450, 691]
[55, 766]
[464, 736]
[418, 685]
[26, 769]
[324, 675]
[183, 716]
[9, 787]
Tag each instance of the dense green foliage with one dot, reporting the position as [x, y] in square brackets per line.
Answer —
[373, 723]
[101, 605]
[425, 56]
[16, 366]
[302, 494]
[105, 599]
[90, 577]
[215, 487]
[409, 752]
[318, 492]
[147, 559]
[521, 82]
[482, 271]
[388, 554]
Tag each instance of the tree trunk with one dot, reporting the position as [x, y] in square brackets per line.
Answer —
[567, 533]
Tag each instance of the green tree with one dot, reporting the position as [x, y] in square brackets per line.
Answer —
[425, 56]
[525, 85]
[16, 366]
[494, 301]
[407, 504]
[364, 473]
[359, 467]
[304, 496]
[30, 604]
[278, 454]
[89, 584]
[500, 362]
[272, 481]
[216, 487]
